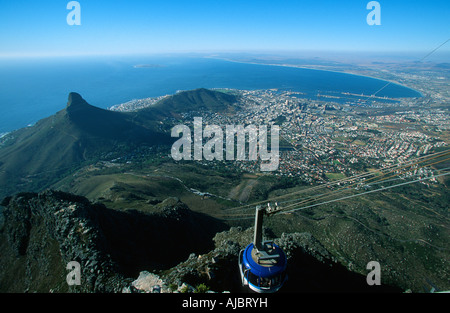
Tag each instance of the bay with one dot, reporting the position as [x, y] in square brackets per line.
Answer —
[31, 89]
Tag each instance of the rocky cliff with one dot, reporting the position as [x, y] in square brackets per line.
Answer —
[42, 233]
[172, 249]
[310, 268]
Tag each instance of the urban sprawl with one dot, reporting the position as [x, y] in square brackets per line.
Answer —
[332, 137]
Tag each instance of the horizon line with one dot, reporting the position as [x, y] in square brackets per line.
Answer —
[368, 53]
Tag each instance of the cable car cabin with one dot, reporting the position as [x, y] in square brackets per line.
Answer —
[263, 270]
[262, 265]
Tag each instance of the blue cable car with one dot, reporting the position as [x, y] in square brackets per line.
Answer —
[262, 265]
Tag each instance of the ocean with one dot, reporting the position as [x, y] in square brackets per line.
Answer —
[31, 89]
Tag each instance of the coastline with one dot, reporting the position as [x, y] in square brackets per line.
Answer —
[318, 69]
[3, 134]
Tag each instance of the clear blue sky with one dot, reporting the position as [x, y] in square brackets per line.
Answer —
[121, 27]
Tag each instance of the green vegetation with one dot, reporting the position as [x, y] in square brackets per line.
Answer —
[405, 230]
[280, 120]
[202, 288]
[335, 176]
[190, 101]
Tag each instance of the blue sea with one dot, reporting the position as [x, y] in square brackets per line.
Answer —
[31, 89]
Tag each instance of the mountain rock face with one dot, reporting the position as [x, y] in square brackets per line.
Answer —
[311, 268]
[42, 233]
[172, 250]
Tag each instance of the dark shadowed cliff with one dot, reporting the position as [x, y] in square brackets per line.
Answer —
[42, 232]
